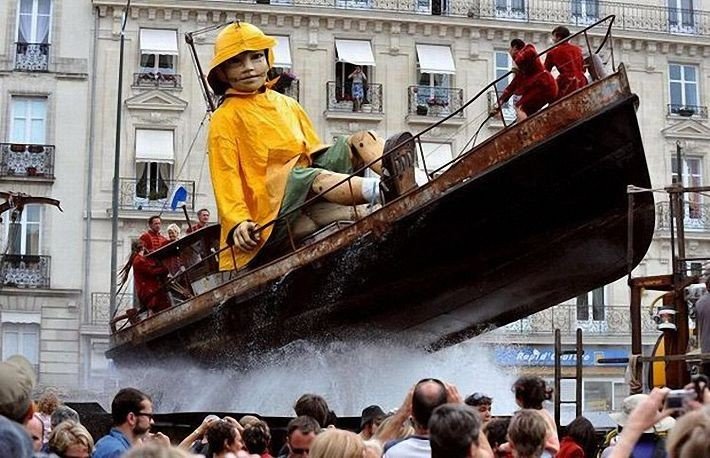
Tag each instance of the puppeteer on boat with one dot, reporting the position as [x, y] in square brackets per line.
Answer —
[536, 214]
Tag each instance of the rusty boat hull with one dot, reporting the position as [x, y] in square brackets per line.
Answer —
[535, 215]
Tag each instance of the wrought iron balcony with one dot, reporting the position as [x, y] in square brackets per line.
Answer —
[434, 101]
[32, 57]
[159, 80]
[614, 321]
[24, 271]
[696, 216]
[688, 111]
[629, 15]
[151, 195]
[340, 97]
[18, 160]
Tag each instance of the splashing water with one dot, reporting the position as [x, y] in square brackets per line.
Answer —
[350, 374]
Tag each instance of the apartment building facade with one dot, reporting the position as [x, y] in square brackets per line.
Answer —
[423, 59]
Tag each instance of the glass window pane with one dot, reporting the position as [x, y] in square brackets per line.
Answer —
[597, 396]
[26, 6]
[690, 72]
[621, 391]
[147, 60]
[676, 94]
[691, 94]
[674, 71]
[165, 62]
[44, 6]
[36, 132]
[425, 79]
[30, 342]
[501, 59]
[32, 239]
[32, 213]
[10, 340]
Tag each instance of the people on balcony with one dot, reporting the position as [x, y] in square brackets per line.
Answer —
[265, 156]
[535, 85]
[357, 88]
[567, 58]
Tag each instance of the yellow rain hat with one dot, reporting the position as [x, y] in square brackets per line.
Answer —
[232, 41]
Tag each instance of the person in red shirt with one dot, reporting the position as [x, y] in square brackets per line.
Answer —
[535, 85]
[149, 278]
[152, 239]
[203, 219]
[567, 58]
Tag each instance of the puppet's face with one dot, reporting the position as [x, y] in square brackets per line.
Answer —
[246, 72]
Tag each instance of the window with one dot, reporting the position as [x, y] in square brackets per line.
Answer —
[683, 86]
[511, 9]
[621, 391]
[592, 301]
[435, 70]
[351, 54]
[287, 83]
[585, 11]
[159, 51]
[34, 21]
[155, 155]
[23, 235]
[503, 64]
[680, 16]
[21, 339]
[598, 396]
[692, 177]
[433, 7]
[27, 125]
[436, 155]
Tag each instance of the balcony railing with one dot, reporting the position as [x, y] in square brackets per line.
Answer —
[615, 320]
[435, 101]
[24, 271]
[629, 16]
[340, 97]
[18, 160]
[696, 216]
[159, 80]
[151, 195]
[508, 109]
[688, 110]
[32, 57]
[101, 304]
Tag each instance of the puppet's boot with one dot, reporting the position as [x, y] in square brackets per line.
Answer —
[398, 162]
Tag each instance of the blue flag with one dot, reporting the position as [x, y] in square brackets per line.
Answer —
[179, 197]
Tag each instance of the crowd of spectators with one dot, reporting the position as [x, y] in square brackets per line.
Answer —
[434, 420]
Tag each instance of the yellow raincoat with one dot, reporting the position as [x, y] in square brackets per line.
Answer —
[249, 135]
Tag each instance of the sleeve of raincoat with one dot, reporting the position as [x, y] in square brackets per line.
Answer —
[226, 174]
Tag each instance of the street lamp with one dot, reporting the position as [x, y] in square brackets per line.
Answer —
[116, 170]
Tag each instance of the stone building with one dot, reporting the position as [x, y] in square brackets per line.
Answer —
[422, 59]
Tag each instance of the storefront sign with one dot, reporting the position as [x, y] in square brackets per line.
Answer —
[545, 356]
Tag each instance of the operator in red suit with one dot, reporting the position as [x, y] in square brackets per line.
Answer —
[535, 85]
[567, 57]
[149, 278]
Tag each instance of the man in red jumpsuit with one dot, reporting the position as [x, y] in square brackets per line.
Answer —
[567, 57]
[152, 238]
[149, 278]
[535, 85]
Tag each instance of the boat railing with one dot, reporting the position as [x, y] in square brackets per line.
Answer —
[228, 245]
[417, 138]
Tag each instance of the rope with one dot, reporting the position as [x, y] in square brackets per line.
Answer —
[633, 375]
[184, 162]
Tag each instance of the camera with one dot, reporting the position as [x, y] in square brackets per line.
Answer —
[678, 399]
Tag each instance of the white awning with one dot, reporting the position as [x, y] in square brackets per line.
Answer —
[435, 59]
[154, 146]
[282, 52]
[21, 317]
[356, 52]
[158, 41]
